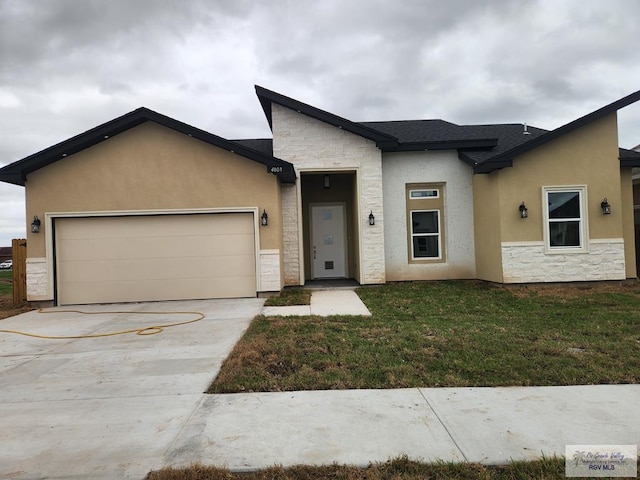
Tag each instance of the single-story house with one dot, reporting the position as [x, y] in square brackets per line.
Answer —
[145, 207]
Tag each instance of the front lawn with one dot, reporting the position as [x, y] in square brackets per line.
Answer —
[448, 334]
[6, 282]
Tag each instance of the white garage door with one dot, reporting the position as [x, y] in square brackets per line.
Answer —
[162, 257]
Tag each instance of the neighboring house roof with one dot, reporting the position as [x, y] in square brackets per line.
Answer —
[17, 172]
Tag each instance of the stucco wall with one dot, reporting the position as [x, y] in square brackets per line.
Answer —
[148, 168]
[402, 168]
[585, 157]
[628, 229]
[486, 208]
[312, 145]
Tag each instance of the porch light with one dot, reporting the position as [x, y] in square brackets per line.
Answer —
[372, 219]
[524, 211]
[327, 181]
[264, 219]
[606, 208]
[35, 225]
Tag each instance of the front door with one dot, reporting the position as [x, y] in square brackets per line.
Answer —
[328, 241]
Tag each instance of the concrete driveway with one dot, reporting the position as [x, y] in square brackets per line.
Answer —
[109, 407]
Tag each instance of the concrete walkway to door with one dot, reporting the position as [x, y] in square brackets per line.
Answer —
[109, 407]
[324, 303]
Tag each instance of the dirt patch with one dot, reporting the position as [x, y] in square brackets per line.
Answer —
[8, 309]
[568, 291]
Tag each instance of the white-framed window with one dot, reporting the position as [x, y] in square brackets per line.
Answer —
[565, 218]
[425, 234]
[424, 193]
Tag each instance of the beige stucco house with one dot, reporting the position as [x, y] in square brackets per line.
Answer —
[145, 207]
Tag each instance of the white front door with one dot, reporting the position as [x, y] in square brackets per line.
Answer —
[328, 241]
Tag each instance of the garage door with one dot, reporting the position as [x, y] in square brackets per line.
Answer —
[162, 257]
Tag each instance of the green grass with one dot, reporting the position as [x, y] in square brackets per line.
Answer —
[289, 297]
[6, 282]
[397, 469]
[447, 334]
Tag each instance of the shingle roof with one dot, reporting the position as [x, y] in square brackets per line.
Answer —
[263, 145]
[485, 147]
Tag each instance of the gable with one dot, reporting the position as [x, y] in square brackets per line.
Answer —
[148, 166]
[17, 172]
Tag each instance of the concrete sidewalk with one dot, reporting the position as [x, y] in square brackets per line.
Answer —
[487, 425]
[324, 303]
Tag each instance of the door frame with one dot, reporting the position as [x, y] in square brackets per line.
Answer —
[345, 244]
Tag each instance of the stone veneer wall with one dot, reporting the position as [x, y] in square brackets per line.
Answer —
[313, 145]
[37, 280]
[270, 271]
[528, 262]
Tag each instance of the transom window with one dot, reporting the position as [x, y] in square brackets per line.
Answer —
[426, 193]
[565, 214]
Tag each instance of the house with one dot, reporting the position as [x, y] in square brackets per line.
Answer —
[6, 253]
[145, 207]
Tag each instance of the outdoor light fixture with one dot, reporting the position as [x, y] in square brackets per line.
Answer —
[606, 208]
[524, 211]
[327, 181]
[372, 219]
[264, 219]
[35, 225]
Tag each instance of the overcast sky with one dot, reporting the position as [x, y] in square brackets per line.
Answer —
[69, 65]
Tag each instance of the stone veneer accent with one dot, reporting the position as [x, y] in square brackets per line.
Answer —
[290, 245]
[270, 271]
[316, 146]
[37, 280]
[527, 262]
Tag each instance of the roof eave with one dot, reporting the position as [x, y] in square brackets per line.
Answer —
[267, 97]
[480, 144]
[17, 172]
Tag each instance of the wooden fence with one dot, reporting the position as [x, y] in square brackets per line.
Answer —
[19, 252]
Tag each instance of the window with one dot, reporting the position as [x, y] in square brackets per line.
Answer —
[425, 234]
[427, 193]
[425, 222]
[565, 218]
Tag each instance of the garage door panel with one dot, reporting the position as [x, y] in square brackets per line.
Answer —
[101, 260]
[170, 269]
[158, 248]
[185, 289]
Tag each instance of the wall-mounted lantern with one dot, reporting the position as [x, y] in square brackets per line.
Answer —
[606, 208]
[372, 219]
[264, 219]
[524, 211]
[327, 181]
[35, 225]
